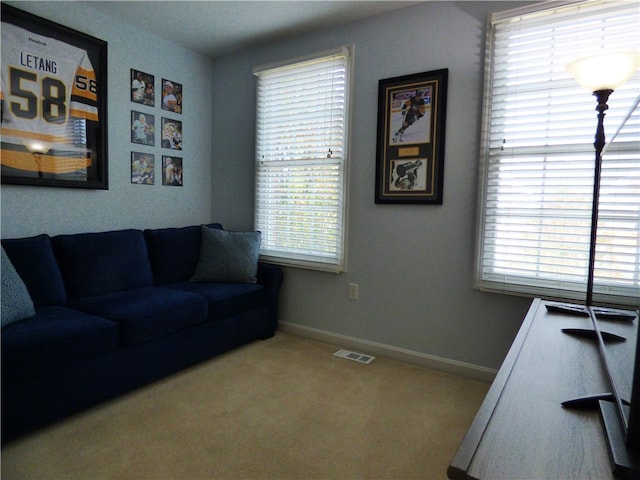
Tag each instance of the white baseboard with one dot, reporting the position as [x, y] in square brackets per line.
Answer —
[396, 353]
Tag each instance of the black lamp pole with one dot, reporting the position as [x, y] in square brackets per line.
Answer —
[602, 97]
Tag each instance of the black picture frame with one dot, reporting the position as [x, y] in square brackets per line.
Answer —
[171, 96]
[143, 166]
[78, 157]
[143, 88]
[172, 171]
[143, 128]
[171, 133]
[411, 136]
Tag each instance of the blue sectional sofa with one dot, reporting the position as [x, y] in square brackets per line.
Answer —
[117, 310]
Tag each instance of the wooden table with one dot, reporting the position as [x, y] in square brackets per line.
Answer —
[521, 430]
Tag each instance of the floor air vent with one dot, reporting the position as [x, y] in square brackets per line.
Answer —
[356, 357]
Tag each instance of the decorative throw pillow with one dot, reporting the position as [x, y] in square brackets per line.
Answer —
[230, 257]
[16, 301]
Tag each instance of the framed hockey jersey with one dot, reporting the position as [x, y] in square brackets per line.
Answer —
[54, 104]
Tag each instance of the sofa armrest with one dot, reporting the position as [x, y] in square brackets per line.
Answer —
[271, 276]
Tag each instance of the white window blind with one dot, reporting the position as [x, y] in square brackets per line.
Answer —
[538, 157]
[301, 161]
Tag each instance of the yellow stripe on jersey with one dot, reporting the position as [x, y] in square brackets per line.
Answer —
[43, 163]
[43, 137]
[81, 110]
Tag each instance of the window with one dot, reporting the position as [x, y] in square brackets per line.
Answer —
[538, 156]
[301, 171]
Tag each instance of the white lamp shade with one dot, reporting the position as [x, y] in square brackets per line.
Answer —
[604, 71]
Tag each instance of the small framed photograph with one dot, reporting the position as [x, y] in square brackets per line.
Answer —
[143, 167]
[171, 134]
[171, 171]
[143, 88]
[171, 96]
[410, 144]
[142, 128]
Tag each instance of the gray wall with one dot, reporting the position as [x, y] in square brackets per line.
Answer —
[33, 210]
[414, 264]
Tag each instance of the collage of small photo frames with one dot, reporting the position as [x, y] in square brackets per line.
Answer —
[144, 128]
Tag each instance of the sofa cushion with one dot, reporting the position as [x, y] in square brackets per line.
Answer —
[54, 338]
[15, 304]
[147, 313]
[230, 257]
[35, 262]
[174, 252]
[101, 263]
[226, 299]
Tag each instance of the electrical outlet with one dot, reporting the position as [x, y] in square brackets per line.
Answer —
[353, 291]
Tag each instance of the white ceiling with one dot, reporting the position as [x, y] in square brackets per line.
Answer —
[215, 28]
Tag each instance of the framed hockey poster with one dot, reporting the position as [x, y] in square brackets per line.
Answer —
[171, 171]
[171, 134]
[143, 167]
[171, 96]
[54, 104]
[143, 128]
[143, 88]
[410, 144]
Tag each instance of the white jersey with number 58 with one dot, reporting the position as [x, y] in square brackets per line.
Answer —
[45, 84]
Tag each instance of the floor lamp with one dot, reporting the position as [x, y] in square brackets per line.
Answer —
[602, 74]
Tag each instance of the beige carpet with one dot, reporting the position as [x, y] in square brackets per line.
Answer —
[284, 408]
